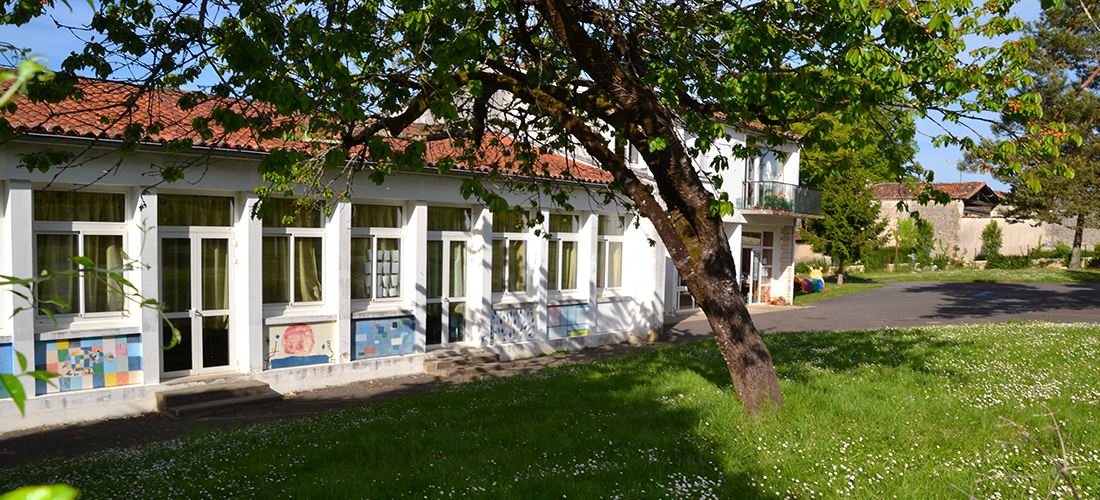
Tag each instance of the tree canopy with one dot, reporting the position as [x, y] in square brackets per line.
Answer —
[665, 76]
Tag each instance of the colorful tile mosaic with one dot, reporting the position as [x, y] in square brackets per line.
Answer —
[377, 337]
[89, 363]
[567, 321]
[7, 365]
[513, 325]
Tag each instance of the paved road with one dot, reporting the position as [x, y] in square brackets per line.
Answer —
[906, 304]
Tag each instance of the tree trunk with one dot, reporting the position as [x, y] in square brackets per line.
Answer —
[1078, 236]
[839, 272]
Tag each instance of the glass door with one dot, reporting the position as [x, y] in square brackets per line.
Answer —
[195, 297]
[446, 287]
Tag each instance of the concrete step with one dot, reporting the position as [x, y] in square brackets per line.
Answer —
[446, 366]
[211, 398]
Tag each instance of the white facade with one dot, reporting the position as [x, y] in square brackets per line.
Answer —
[404, 269]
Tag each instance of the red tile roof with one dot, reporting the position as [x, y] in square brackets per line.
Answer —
[899, 191]
[102, 114]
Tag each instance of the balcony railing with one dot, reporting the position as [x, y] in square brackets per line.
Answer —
[779, 197]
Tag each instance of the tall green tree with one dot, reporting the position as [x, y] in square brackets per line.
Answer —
[666, 76]
[851, 219]
[1064, 65]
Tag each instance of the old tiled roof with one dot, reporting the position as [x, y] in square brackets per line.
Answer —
[101, 114]
[899, 191]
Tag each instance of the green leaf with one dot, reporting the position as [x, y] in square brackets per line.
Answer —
[176, 337]
[657, 144]
[22, 361]
[44, 492]
[81, 260]
[15, 389]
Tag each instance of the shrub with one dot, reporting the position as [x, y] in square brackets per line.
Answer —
[992, 238]
[802, 268]
[998, 261]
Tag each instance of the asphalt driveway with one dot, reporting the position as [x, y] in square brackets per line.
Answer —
[907, 304]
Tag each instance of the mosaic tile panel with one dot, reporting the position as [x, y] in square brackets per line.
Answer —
[7, 365]
[567, 321]
[377, 337]
[513, 325]
[89, 363]
[300, 344]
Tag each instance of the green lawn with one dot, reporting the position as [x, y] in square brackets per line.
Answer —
[868, 414]
[1030, 275]
[833, 290]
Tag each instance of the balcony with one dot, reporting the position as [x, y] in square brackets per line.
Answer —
[777, 197]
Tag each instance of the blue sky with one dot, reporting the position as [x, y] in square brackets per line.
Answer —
[44, 37]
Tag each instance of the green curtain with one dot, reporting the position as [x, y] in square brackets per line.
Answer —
[500, 258]
[184, 210]
[509, 222]
[611, 225]
[435, 270]
[615, 264]
[517, 266]
[375, 216]
[215, 274]
[568, 265]
[53, 252]
[175, 272]
[458, 269]
[307, 270]
[552, 265]
[601, 264]
[448, 219]
[102, 294]
[276, 263]
[80, 206]
[360, 268]
[281, 207]
[564, 223]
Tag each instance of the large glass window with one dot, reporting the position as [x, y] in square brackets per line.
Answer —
[292, 253]
[609, 251]
[185, 210]
[375, 252]
[70, 224]
[448, 219]
[561, 254]
[509, 253]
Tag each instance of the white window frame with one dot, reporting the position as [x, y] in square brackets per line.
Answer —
[606, 241]
[81, 229]
[374, 233]
[293, 233]
[558, 238]
[508, 237]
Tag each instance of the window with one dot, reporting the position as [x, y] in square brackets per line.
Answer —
[448, 219]
[561, 268]
[375, 252]
[70, 224]
[609, 251]
[292, 253]
[509, 253]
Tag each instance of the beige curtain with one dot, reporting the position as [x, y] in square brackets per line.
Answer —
[53, 253]
[182, 210]
[435, 270]
[79, 206]
[375, 216]
[568, 265]
[517, 266]
[276, 263]
[215, 274]
[458, 269]
[553, 263]
[448, 219]
[601, 264]
[508, 222]
[500, 259]
[615, 264]
[307, 272]
[102, 294]
[281, 208]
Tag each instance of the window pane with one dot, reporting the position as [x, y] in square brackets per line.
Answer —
[360, 268]
[568, 265]
[614, 264]
[307, 269]
[389, 268]
[103, 294]
[215, 341]
[435, 271]
[552, 267]
[179, 357]
[601, 264]
[768, 238]
[215, 274]
[456, 322]
[564, 223]
[281, 208]
[53, 253]
[509, 222]
[434, 325]
[500, 258]
[611, 225]
[276, 265]
[517, 266]
[375, 216]
[82, 206]
[448, 219]
[181, 210]
[175, 274]
[458, 269]
[750, 239]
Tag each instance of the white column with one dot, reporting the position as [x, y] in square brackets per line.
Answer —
[246, 303]
[143, 231]
[479, 288]
[17, 226]
[415, 265]
[586, 265]
[540, 265]
[338, 262]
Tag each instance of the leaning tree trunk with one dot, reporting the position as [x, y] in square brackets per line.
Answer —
[1078, 236]
[839, 272]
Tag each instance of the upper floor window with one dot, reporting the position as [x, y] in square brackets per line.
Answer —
[70, 224]
[375, 252]
[448, 219]
[187, 210]
[609, 251]
[561, 268]
[509, 253]
[292, 254]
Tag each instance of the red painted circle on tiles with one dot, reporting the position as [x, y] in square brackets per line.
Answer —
[298, 340]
